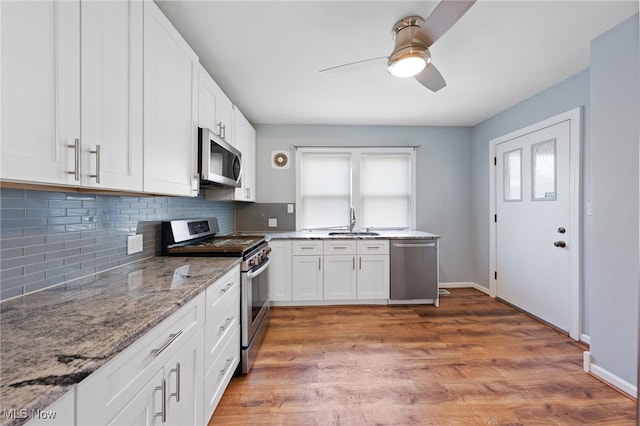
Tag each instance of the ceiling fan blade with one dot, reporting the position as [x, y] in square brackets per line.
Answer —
[431, 78]
[354, 63]
[446, 13]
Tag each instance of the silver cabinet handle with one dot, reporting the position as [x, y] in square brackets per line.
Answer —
[353, 262]
[165, 345]
[226, 367]
[319, 263]
[163, 412]
[97, 153]
[360, 263]
[226, 288]
[177, 392]
[225, 325]
[76, 147]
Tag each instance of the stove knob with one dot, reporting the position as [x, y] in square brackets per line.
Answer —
[252, 262]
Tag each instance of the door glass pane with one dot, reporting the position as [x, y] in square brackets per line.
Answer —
[513, 175]
[543, 157]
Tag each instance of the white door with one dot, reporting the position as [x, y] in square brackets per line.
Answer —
[533, 223]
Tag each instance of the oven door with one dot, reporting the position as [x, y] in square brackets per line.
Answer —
[255, 300]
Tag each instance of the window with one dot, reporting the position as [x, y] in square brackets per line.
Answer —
[377, 182]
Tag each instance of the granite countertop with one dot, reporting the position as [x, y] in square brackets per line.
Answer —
[55, 338]
[322, 235]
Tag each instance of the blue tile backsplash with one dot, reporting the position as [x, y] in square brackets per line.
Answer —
[48, 237]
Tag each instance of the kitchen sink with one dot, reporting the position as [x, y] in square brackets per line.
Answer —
[353, 234]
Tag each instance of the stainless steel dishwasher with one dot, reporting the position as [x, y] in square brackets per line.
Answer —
[414, 271]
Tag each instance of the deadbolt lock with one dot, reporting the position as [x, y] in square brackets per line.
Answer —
[561, 230]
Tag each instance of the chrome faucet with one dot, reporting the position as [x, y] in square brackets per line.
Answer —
[352, 219]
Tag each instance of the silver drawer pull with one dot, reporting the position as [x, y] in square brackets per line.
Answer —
[307, 248]
[226, 366]
[227, 287]
[226, 324]
[165, 345]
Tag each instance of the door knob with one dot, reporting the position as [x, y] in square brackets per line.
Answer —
[561, 230]
[560, 244]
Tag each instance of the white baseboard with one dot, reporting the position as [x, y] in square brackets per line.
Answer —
[465, 285]
[585, 338]
[613, 380]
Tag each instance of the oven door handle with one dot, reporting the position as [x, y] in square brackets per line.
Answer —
[257, 272]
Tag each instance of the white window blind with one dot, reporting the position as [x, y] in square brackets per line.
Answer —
[385, 193]
[378, 182]
[325, 190]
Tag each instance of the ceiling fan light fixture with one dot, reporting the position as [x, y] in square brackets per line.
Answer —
[406, 64]
[409, 56]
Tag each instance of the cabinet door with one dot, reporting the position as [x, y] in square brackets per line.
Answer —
[170, 105]
[373, 277]
[340, 277]
[146, 408]
[280, 271]
[206, 101]
[111, 87]
[184, 375]
[307, 278]
[224, 116]
[40, 91]
[245, 138]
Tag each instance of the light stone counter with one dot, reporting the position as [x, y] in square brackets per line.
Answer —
[53, 339]
[323, 235]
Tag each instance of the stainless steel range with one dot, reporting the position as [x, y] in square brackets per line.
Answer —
[199, 237]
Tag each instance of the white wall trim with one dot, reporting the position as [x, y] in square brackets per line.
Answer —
[465, 285]
[585, 338]
[613, 380]
[574, 117]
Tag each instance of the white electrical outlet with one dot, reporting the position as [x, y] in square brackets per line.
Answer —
[134, 244]
[273, 223]
[289, 208]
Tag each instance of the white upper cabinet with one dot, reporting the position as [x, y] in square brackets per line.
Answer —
[111, 94]
[170, 108]
[72, 93]
[216, 109]
[40, 90]
[246, 143]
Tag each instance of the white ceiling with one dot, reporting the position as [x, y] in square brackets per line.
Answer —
[266, 55]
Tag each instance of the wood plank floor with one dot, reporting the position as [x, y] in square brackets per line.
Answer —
[471, 361]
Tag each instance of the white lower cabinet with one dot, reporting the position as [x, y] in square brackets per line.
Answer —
[171, 396]
[329, 270]
[307, 274]
[280, 287]
[340, 272]
[60, 413]
[373, 269]
[177, 372]
[222, 338]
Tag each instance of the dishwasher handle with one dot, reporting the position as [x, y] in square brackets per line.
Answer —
[417, 245]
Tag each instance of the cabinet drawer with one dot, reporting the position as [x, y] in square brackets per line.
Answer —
[220, 291]
[373, 247]
[339, 247]
[301, 248]
[221, 323]
[112, 386]
[218, 377]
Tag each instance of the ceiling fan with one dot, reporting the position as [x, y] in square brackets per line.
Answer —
[413, 36]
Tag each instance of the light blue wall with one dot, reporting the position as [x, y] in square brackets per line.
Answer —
[566, 95]
[443, 176]
[615, 105]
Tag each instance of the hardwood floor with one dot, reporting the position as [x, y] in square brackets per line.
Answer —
[473, 360]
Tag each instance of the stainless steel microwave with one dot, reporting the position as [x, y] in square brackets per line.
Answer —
[220, 163]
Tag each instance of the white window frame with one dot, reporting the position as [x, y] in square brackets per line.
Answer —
[356, 156]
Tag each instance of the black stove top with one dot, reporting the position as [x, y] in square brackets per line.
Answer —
[200, 237]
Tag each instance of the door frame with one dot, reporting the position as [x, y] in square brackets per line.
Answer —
[574, 116]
